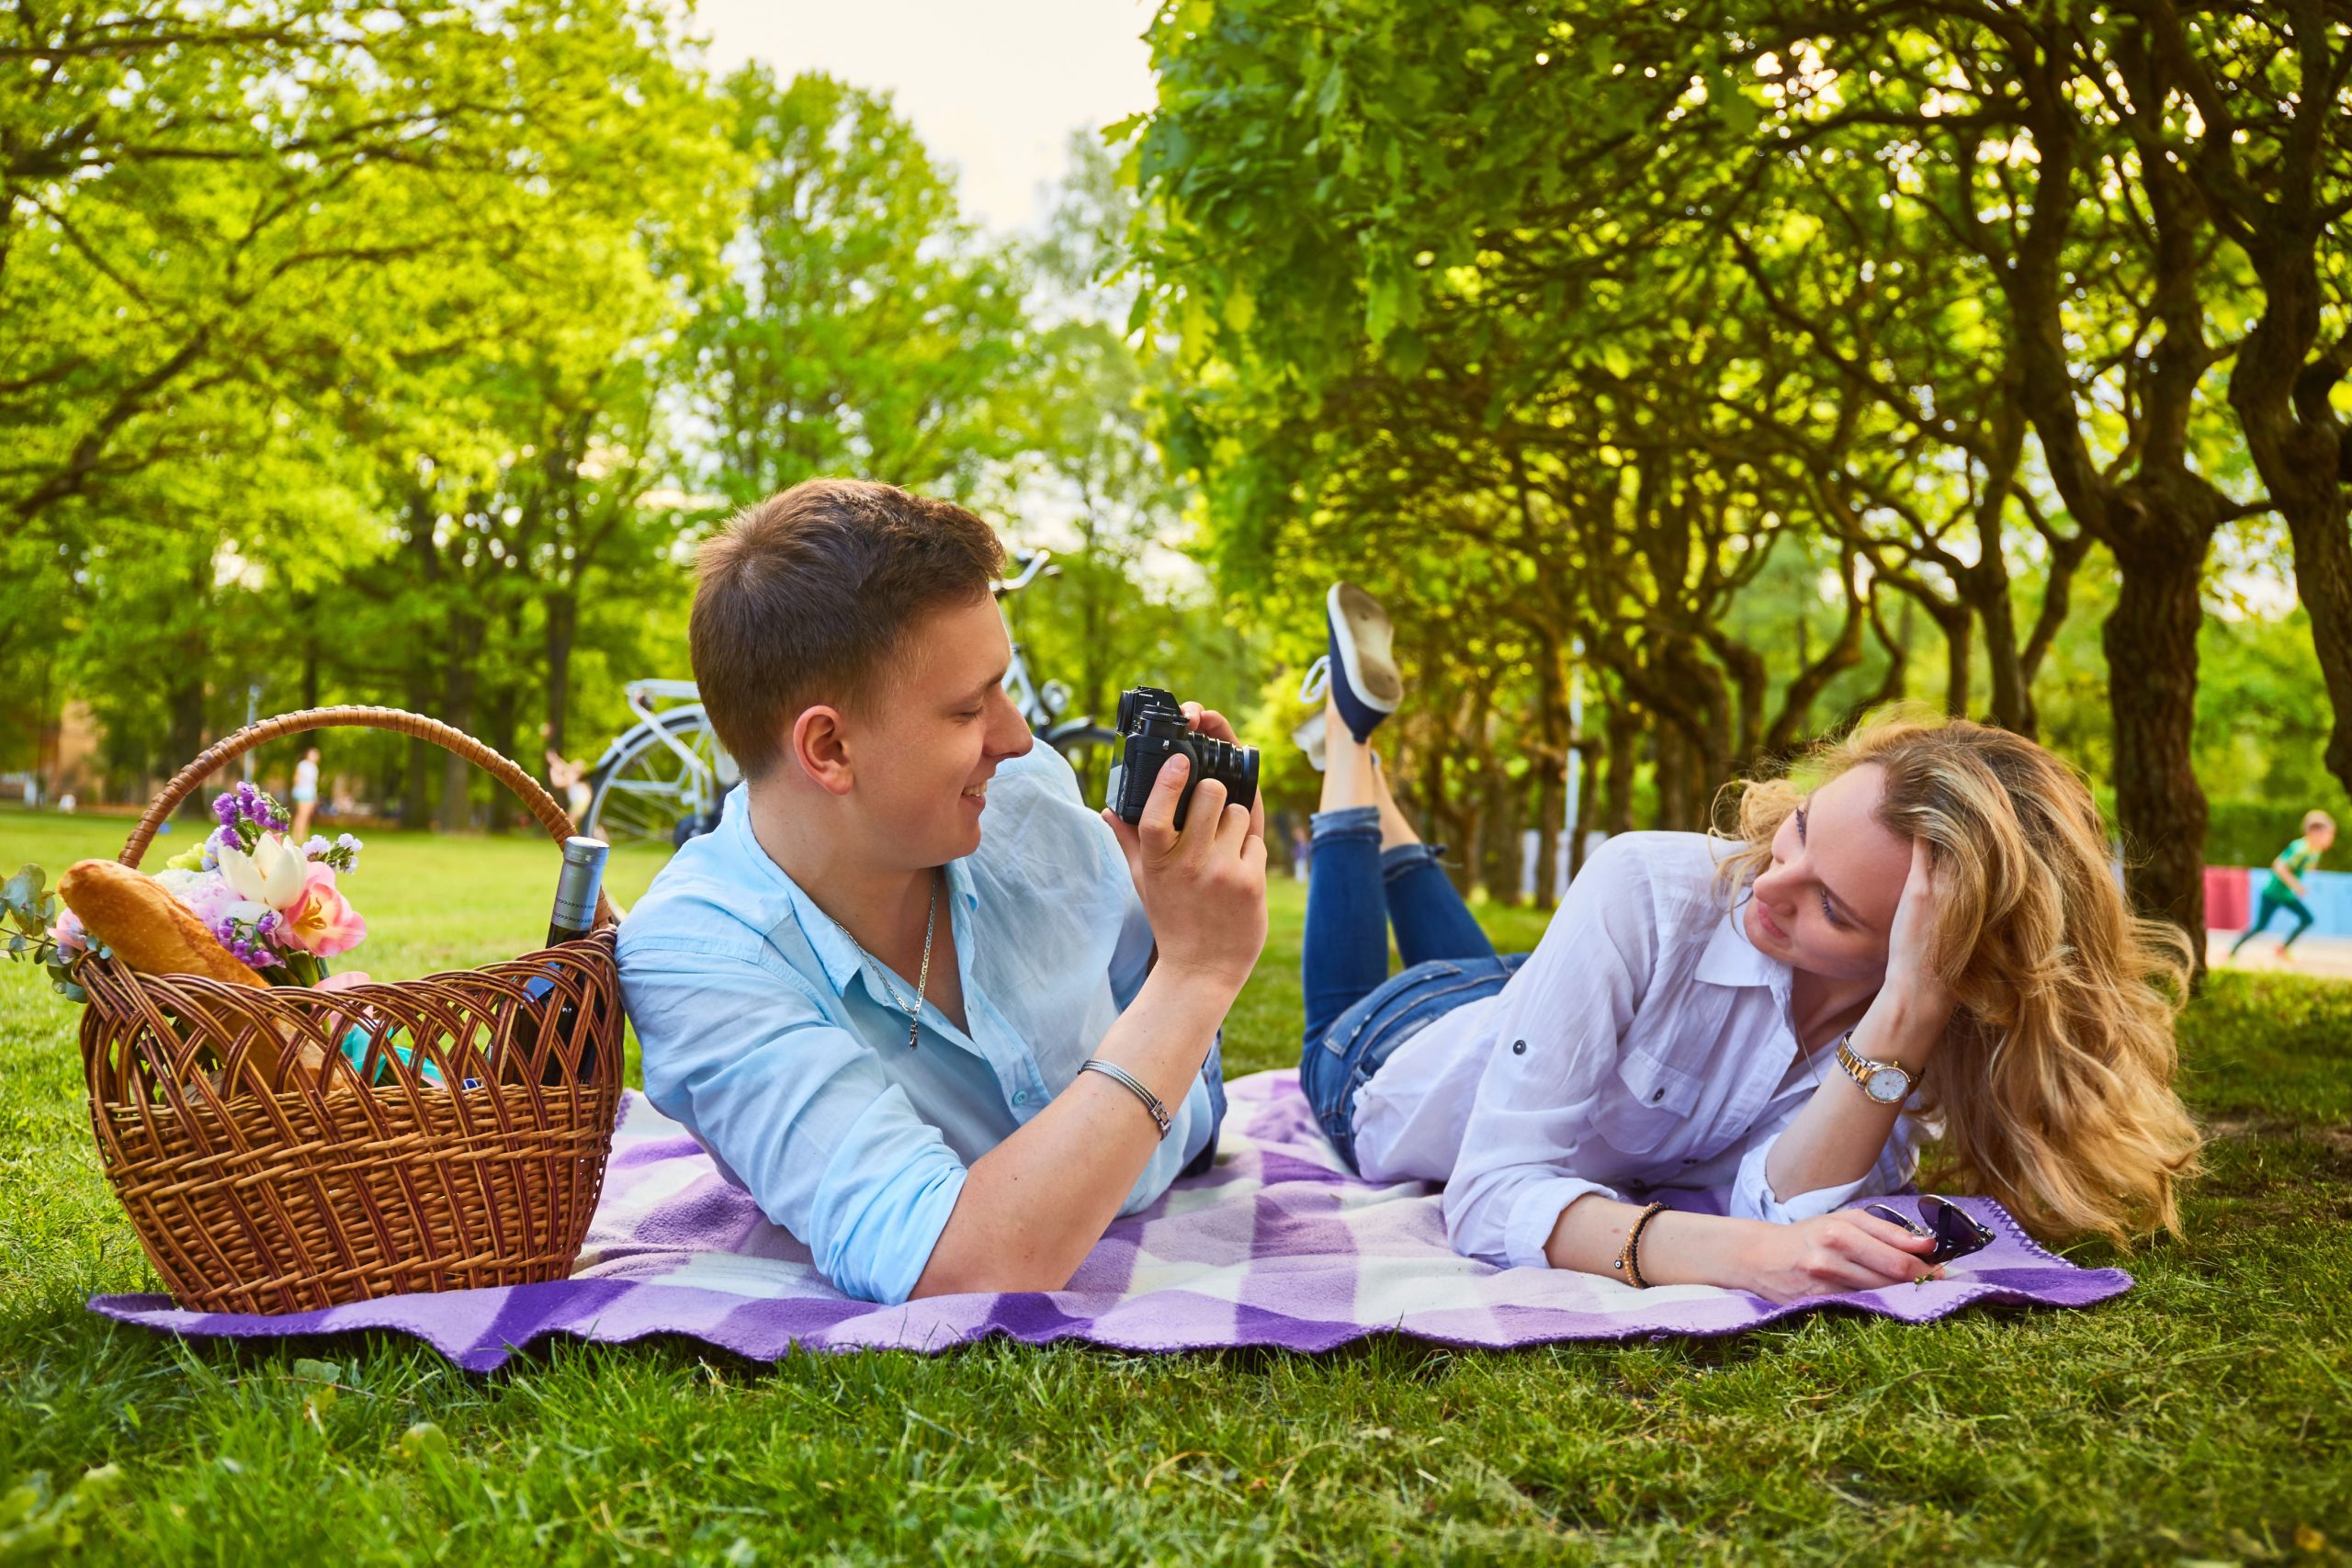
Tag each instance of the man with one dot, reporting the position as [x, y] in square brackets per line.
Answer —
[912, 994]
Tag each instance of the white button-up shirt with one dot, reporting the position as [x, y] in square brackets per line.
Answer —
[1646, 1042]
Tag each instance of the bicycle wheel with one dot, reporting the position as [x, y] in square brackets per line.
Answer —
[1090, 749]
[661, 785]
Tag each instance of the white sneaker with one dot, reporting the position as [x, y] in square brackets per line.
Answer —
[1309, 737]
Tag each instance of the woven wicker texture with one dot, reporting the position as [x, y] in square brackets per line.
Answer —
[467, 1147]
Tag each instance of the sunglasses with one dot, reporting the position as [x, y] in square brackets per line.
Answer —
[1958, 1233]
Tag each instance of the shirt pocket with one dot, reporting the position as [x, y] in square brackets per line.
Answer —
[1648, 1102]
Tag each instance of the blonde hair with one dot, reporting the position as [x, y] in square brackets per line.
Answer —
[2317, 819]
[2055, 1085]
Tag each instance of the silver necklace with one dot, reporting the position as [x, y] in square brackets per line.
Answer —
[913, 1008]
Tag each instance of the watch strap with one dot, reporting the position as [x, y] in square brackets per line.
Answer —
[1859, 1067]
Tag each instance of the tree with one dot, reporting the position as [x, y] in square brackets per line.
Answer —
[861, 327]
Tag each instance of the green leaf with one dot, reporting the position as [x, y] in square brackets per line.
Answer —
[24, 887]
[1335, 88]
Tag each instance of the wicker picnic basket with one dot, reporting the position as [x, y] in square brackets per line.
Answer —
[466, 1147]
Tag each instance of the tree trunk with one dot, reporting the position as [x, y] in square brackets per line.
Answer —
[1550, 798]
[1957, 630]
[2012, 692]
[503, 706]
[1588, 813]
[309, 670]
[1624, 736]
[1501, 838]
[563, 628]
[187, 696]
[1672, 776]
[457, 697]
[2150, 644]
[187, 731]
[416, 796]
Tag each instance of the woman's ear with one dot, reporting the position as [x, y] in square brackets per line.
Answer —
[818, 746]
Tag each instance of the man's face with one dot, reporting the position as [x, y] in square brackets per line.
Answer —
[923, 749]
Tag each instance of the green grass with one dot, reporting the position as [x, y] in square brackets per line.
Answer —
[2205, 1415]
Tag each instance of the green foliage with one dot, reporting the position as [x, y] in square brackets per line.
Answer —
[2189, 1419]
[1570, 323]
[865, 330]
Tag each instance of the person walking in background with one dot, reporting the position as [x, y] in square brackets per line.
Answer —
[571, 778]
[306, 793]
[2285, 889]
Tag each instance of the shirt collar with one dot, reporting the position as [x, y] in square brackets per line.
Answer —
[1732, 960]
[832, 945]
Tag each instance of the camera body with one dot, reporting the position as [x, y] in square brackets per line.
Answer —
[1152, 729]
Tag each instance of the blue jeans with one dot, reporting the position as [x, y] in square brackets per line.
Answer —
[1357, 1013]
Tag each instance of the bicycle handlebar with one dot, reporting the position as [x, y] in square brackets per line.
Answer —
[1034, 564]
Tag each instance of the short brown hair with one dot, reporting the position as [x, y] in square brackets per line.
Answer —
[804, 596]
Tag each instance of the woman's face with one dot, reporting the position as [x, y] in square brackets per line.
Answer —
[1827, 901]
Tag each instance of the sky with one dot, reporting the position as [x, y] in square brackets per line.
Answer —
[993, 86]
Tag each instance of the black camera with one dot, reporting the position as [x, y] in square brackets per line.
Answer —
[1152, 725]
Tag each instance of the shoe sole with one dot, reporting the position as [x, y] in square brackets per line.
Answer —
[1367, 650]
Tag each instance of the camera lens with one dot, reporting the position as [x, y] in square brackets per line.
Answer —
[1236, 767]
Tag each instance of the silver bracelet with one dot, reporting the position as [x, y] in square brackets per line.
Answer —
[1135, 1087]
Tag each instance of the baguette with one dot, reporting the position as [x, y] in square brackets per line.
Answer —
[146, 927]
[155, 933]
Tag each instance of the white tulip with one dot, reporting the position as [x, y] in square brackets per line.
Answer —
[272, 874]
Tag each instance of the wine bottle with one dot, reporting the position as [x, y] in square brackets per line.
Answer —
[576, 887]
[574, 917]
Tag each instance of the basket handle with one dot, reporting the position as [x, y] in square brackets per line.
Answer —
[230, 747]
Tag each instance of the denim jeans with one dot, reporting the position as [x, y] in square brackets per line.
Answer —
[1357, 1013]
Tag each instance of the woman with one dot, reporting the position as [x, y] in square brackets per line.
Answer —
[1927, 942]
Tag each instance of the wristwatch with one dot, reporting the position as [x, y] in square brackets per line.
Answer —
[1884, 1082]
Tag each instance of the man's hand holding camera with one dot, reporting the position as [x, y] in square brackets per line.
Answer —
[1203, 886]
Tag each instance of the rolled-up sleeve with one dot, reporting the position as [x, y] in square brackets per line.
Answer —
[793, 1107]
[1752, 1197]
[1569, 1006]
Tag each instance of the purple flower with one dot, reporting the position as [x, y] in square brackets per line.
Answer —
[248, 813]
[340, 855]
[244, 949]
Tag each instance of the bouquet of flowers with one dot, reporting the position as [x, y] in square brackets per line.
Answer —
[273, 905]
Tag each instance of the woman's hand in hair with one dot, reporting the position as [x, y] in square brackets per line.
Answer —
[1913, 942]
[1837, 1252]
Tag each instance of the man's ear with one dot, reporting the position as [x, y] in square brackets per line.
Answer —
[818, 746]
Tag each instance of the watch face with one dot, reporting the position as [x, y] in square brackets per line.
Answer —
[1889, 1086]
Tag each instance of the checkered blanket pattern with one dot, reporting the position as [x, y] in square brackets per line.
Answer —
[1278, 1245]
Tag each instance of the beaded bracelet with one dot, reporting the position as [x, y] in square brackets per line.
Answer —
[1628, 1260]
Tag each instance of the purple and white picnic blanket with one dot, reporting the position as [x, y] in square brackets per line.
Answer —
[1278, 1245]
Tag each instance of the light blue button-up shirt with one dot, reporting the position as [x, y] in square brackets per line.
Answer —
[777, 1044]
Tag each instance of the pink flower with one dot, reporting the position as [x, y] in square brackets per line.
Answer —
[68, 933]
[321, 920]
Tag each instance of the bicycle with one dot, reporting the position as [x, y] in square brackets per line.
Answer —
[660, 781]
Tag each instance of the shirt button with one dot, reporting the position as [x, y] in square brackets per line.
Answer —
[1020, 1096]
[1518, 1047]
[1656, 1095]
